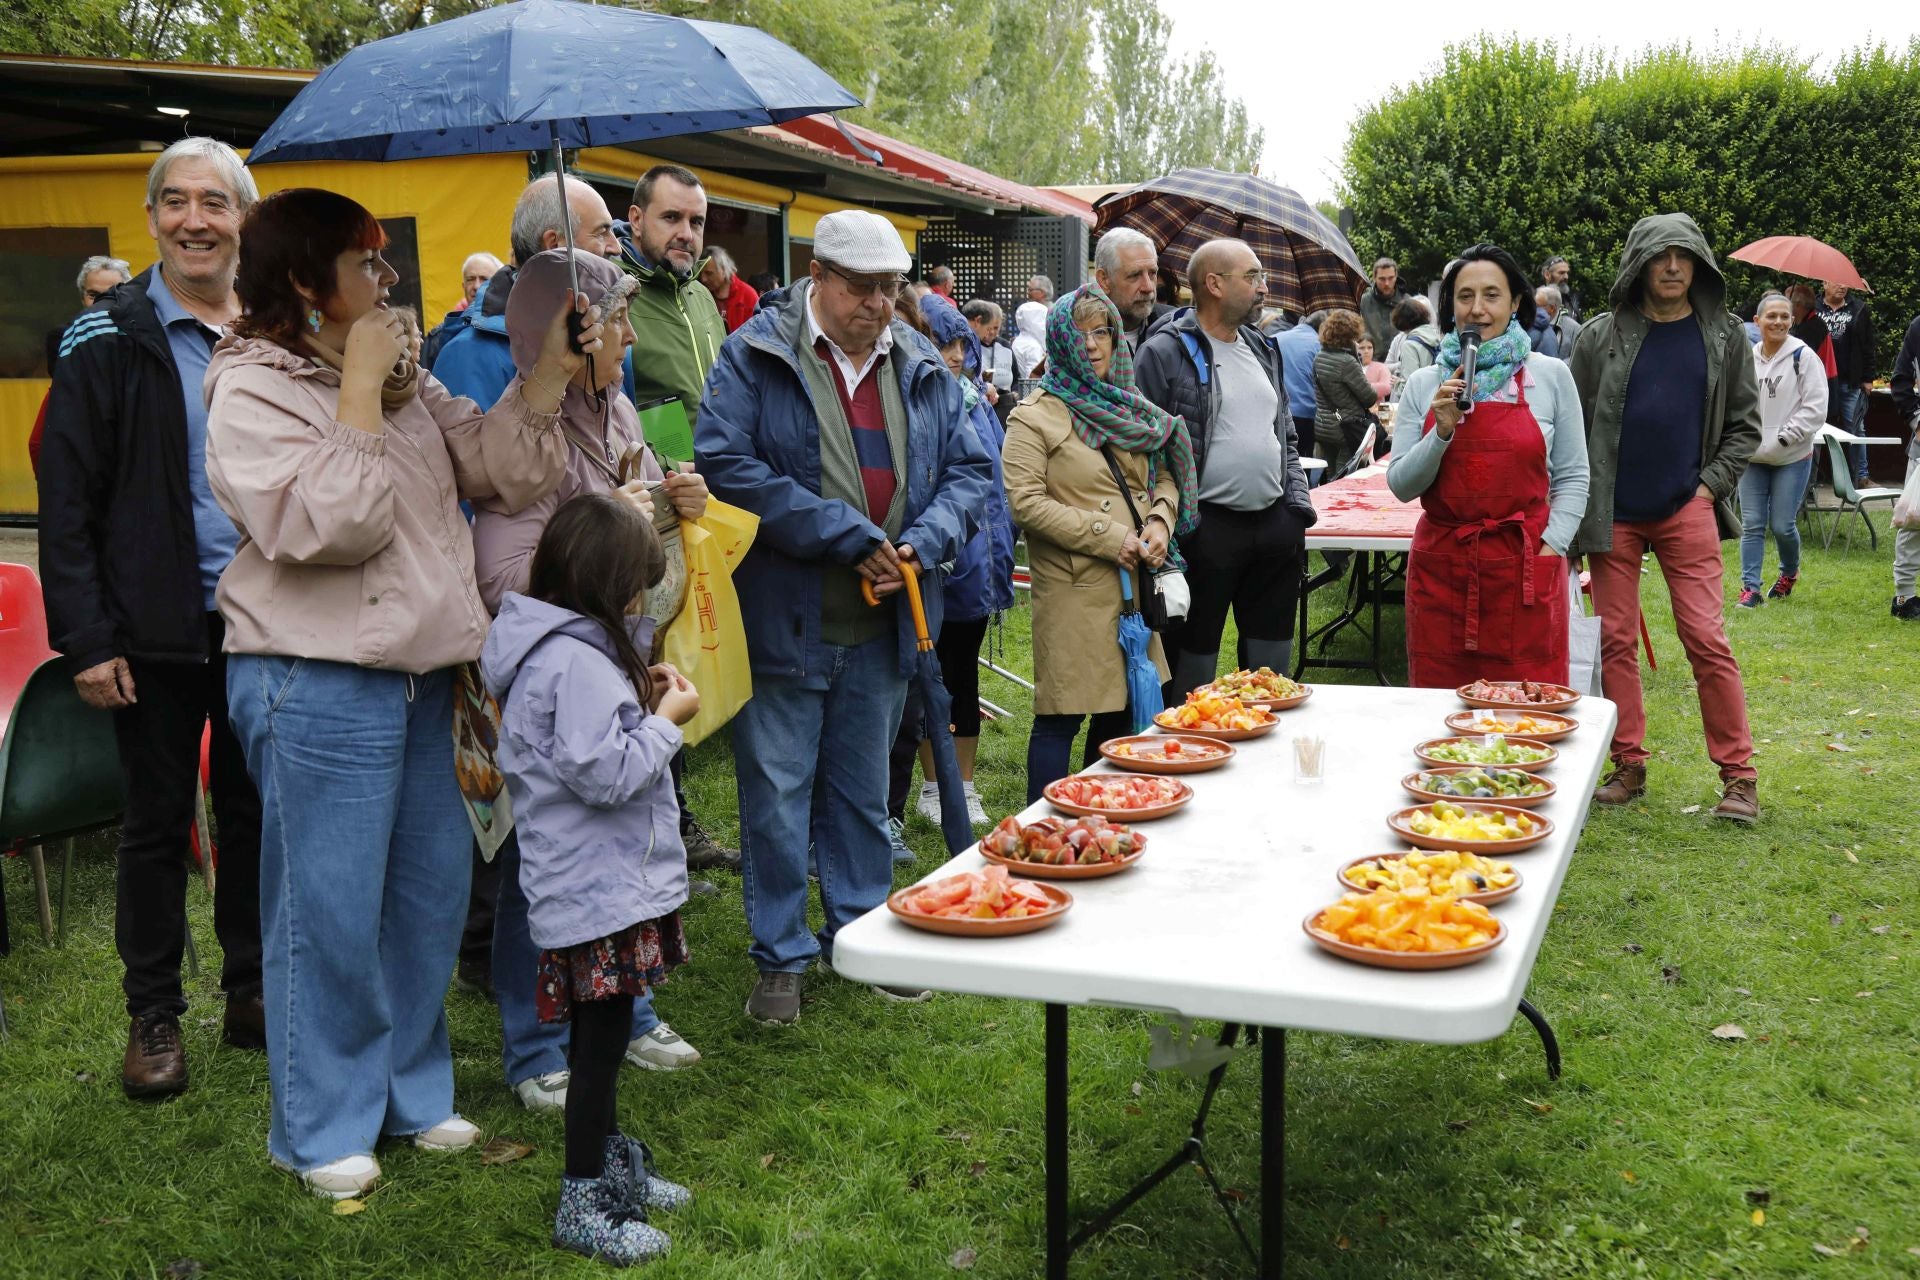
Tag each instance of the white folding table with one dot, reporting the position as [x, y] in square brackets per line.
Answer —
[1221, 895]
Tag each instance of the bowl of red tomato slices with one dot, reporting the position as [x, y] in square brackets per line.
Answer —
[1130, 797]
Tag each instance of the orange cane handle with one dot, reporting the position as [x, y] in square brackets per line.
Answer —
[910, 575]
[866, 592]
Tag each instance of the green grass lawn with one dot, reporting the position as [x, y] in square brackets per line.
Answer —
[881, 1140]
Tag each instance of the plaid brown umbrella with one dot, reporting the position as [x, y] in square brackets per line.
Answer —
[1309, 264]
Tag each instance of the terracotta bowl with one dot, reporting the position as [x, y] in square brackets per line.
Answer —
[1530, 767]
[1513, 802]
[1219, 735]
[1462, 722]
[1402, 827]
[1281, 704]
[963, 927]
[1138, 764]
[1486, 899]
[1557, 704]
[1050, 871]
[1121, 815]
[1381, 959]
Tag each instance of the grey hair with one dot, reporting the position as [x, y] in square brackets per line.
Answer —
[722, 259]
[482, 255]
[1548, 291]
[980, 311]
[535, 213]
[1106, 254]
[1044, 284]
[233, 170]
[101, 262]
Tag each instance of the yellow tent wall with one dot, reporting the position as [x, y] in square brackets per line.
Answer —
[460, 205]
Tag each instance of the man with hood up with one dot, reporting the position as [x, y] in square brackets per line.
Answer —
[1673, 415]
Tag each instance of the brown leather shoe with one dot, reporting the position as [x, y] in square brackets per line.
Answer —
[245, 1026]
[156, 1062]
[1739, 801]
[1627, 782]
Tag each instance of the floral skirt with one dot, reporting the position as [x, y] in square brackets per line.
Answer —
[623, 963]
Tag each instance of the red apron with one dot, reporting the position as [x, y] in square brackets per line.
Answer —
[1481, 604]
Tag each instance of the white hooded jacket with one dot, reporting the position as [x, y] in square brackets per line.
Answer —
[1030, 342]
[1793, 402]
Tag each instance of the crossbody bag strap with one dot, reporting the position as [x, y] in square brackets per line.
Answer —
[1113, 465]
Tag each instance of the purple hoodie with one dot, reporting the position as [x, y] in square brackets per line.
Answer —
[586, 767]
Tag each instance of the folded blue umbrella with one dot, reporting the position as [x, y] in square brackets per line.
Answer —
[1143, 680]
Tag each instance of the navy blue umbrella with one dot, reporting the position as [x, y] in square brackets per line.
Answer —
[545, 73]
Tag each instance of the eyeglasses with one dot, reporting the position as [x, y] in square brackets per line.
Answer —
[1104, 333]
[1254, 276]
[887, 287]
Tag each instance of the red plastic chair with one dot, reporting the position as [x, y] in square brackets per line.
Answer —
[23, 647]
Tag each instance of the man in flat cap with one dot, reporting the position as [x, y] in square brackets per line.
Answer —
[840, 427]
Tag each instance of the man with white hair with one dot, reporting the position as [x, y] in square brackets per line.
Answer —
[1126, 266]
[736, 298]
[1553, 329]
[98, 275]
[1040, 290]
[840, 427]
[132, 545]
[474, 272]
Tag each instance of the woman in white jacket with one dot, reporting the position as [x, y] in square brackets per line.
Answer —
[1793, 404]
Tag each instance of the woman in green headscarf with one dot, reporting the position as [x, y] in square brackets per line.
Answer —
[1063, 495]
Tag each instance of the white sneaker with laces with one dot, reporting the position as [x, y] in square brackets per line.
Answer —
[455, 1133]
[976, 812]
[340, 1179]
[929, 804]
[661, 1049]
[544, 1093]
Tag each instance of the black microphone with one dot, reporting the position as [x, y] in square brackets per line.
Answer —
[1469, 365]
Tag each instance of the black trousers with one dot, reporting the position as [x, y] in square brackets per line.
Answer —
[159, 741]
[1247, 561]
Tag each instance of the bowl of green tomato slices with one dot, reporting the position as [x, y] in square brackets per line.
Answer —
[1471, 782]
[1491, 751]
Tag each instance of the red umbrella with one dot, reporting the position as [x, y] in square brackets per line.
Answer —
[1802, 256]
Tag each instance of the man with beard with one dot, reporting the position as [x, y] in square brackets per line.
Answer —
[677, 327]
[132, 546]
[1211, 366]
[1127, 268]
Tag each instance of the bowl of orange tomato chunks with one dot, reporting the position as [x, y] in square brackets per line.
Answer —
[1056, 849]
[1213, 715]
[1524, 695]
[1127, 796]
[1515, 722]
[1261, 687]
[988, 903]
[1410, 928]
[1166, 753]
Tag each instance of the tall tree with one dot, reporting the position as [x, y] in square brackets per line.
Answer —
[1163, 113]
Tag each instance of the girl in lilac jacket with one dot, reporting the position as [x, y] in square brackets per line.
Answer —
[587, 731]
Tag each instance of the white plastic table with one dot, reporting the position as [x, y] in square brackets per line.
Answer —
[1218, 903]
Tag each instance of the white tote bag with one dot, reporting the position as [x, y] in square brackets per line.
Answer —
[1583, 639]
[1906, 512]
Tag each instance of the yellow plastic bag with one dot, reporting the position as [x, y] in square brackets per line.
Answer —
[707, 642]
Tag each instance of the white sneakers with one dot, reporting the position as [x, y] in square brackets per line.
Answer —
[929, 803]
[544, 1093]
[452, 1134]
[976, 812]
[661, 1049]
[340, 1179]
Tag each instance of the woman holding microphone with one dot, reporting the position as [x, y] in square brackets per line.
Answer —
[1499, 463]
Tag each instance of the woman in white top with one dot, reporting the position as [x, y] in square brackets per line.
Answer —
[1793, 404]
[1502, 483]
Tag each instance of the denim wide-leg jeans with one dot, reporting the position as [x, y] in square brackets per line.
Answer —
[787, 738]
[364, 868]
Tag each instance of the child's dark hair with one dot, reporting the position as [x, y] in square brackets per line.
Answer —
[598, 553]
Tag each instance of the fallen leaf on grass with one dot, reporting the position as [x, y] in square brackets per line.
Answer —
[347, 1208]
[1741, 991]
[183, 1269]
[83, 1077]
[1692, 808]
[1234, 1194]
[1633, 948]
[766, 1161]
[1862, 995]
[1856, 711]
[1838, 746]
[963, 1259]
[1759, 1195]
[1628, 1175]
[1343, 1243]
[1131, 1110]
[977, 1168]
[1836, 919]
[1138, 1088]
[504, 1151]
[957, 1135]
[1729, 1031]
[1914, 1250]
[1759, 1217]
[1459, 1126]
[1881, 928]
[1541, 1107]
[1850, 857]
[1670, 974]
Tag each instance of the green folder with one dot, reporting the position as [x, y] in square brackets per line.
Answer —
[667, 431]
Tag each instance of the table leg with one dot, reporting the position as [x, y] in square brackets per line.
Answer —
[1273, 1151]
[1548, 1041]
[1056, 1143]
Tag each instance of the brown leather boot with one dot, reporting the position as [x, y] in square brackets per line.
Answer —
[245, 1026]
[1627, 782]
[156, 1061]
[1739, 801]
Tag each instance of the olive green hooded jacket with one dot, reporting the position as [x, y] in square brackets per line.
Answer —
[1602, 362]
[677, 332]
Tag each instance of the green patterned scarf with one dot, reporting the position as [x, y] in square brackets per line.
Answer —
[1111, 410]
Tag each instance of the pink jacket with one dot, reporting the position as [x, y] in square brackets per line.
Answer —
[352, 545]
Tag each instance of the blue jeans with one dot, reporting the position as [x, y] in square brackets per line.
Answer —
[528, 1046]
[1848, 408]
[1770, 500]
[785, 738]
[364, 867]
[1050, 745]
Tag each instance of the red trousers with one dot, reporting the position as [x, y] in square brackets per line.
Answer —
[1687, 546]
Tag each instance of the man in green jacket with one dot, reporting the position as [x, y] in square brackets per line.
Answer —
[1673, 413]
[677, 328]
[677, 332]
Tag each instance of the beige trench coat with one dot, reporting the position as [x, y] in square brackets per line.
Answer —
[1064, 498]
